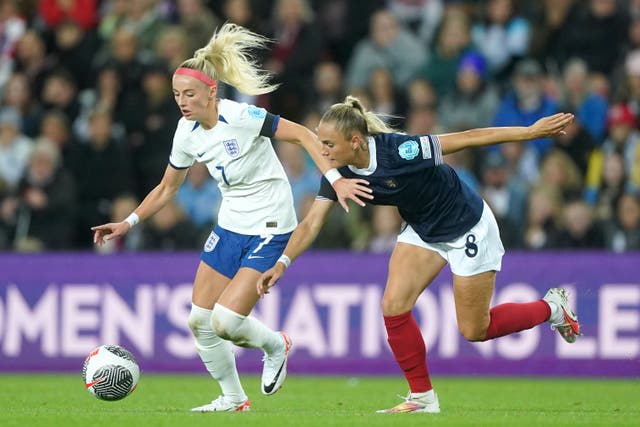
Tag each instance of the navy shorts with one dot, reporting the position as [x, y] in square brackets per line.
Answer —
[226, 251]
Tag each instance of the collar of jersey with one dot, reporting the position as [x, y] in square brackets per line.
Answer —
[373, 164]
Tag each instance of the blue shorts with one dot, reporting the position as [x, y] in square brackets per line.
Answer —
[226, 251]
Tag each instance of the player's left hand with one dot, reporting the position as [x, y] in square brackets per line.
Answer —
[551, 125]
[269, 279]
[354, 189]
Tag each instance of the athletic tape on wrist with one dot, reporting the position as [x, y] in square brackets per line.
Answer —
[285, 260]
[132, 219]
[332, 175]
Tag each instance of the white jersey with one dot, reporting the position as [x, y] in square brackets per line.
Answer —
[256, 195]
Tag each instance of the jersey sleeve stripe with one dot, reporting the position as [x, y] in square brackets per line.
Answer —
[178, 167]
[437, 150]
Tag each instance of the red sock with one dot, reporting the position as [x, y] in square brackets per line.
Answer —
[409, 350]
[513, 317]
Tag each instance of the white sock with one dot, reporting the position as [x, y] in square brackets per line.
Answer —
[244, 331]
[216, 354]
[557, 316]
[428, 395]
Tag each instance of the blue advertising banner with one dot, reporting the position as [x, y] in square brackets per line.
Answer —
[55, 308]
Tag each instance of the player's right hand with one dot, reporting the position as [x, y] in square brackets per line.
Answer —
[269, 279]
[354, 189]
[110, 231]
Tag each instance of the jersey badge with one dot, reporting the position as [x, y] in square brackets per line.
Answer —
[408, 150]
[232, 147]
[256, 113]
[389, 182]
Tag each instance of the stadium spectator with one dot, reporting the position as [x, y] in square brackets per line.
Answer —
[624, 138]
[74, 49]
[559, 172]
[502, 36]
[446, 222]
[607, 27]
[623, 232]
[293, 57]
[612, 186]
[101, 168]
[590, 108]
[328, 86]
[145, 19]
[543, 212]
[577, 143]
[505, 196]
[420, 93]
[256, 216]
[32, 60]
[15, 149]
[114, 14]
[387, 46]
[383, 95]
[54, 13]
[422, 17]
[549, 22]
[453, 40]
[17, 94]
[12, 27]
[169, 230]
[197, 20]
[54, 127]
[527, 102]
[150, 126]
[60, 93]
[45, 214]
[242, 12]
[474, 100]
[199, 197]
[171, 46]
[579, 228]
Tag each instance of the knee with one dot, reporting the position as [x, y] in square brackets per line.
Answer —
[225, 323]
[199, 320]
[393, 306]
[473, 332]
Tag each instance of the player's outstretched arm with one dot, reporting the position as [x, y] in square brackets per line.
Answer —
[302, 237]
[152, 203]
[354, 189]
[545, 127]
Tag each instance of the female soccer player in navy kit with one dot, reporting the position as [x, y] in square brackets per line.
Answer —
[446, 222]
[256, 216]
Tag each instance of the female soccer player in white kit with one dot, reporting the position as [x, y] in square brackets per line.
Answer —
[256, 216]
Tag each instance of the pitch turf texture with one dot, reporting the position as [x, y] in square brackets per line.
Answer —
[164, 400]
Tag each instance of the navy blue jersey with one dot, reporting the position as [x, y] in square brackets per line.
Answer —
[408, 172]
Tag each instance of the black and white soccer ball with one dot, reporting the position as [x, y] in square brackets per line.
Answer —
[110, 372]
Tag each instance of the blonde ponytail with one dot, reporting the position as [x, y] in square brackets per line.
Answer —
[350, 116]
[227, 58]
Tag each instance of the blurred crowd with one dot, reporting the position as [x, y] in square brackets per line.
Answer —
[87, 113]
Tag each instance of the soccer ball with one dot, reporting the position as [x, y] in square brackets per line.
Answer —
[110, 372]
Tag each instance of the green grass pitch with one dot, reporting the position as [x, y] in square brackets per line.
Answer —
[164, 400]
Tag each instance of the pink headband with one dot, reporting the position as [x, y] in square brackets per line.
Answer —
[196, 75]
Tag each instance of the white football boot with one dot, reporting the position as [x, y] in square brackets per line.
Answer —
[412, 404]
[274, 370]
[565, 321]
[221, 404]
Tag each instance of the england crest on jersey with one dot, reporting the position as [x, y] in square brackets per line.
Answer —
[211, 242]
[408, 150]
[232, 147]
